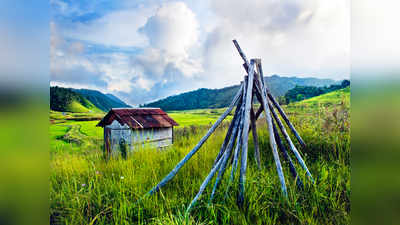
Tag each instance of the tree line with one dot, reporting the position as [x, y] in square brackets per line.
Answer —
[300, 93]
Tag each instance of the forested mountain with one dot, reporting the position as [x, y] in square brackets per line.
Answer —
[102, 101]
[82, 100]
[65, 100]
[198, 99]
[217, 98]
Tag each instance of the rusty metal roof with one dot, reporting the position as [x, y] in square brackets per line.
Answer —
[138, 118]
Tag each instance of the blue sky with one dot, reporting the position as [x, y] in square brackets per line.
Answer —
[145, 50]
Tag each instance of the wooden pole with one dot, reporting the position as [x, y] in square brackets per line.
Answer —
[241, 53]
[229, 132]
[287, 157]
[290, 125]
[236, 154]
[255, 138]
[226, 157]
[259, 111]
[205, 182]
[283, 114]
[260, 71]
[245, 135]
[286, 135]
[268, 117]
[197, 147]
[291, 145]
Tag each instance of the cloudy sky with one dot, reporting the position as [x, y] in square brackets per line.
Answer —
[145, 50]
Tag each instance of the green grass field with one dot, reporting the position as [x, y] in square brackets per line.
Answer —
[84, 189]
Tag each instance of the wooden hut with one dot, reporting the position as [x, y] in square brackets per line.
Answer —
[137, 127]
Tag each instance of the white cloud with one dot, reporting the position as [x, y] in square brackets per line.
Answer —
[118, 28]
[172, 32]
[70, 65]
[173, 28]
[178, 47]
[301, 38]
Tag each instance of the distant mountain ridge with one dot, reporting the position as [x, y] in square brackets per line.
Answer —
[83, 100]
[217, 98]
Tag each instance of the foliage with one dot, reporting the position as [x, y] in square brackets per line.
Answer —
[217, 98]
[300, 93]
[84, 189]
[65, 100]
[82, 100]
[102, 101]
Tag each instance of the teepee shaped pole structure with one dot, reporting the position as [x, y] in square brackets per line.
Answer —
[234, 149]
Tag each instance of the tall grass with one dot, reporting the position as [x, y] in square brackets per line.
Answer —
[84, 189]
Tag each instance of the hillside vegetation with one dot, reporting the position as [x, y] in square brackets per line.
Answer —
[304, 92]
[217, 98]
[82, 100]
[65, 100]
[85, 189]
[102, 101]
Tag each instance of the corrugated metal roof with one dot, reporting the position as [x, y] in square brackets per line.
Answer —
[138, 118]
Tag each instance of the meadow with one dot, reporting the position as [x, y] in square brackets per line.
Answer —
[85, 189]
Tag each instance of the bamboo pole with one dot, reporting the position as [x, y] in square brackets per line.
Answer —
[245, 135]
[291, 145]
[268, 117]
[255, 138]
[197, 147]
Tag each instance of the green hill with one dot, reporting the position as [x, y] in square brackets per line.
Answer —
[299, 93]
[334, 97]
[102, 101]
[65, 100]
[218, 98]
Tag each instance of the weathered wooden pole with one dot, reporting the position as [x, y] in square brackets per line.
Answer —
[285, 134]
[289, 141]
[226, 157]
[238, 147]
[241, 53]
[290, 125]
[197, 147]
[268, 118]
[245, 135]
[205, 182]
[260, 71]
[236, 154]
[229, 132]
[255, 138]
[287, 157]
[281, 146]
